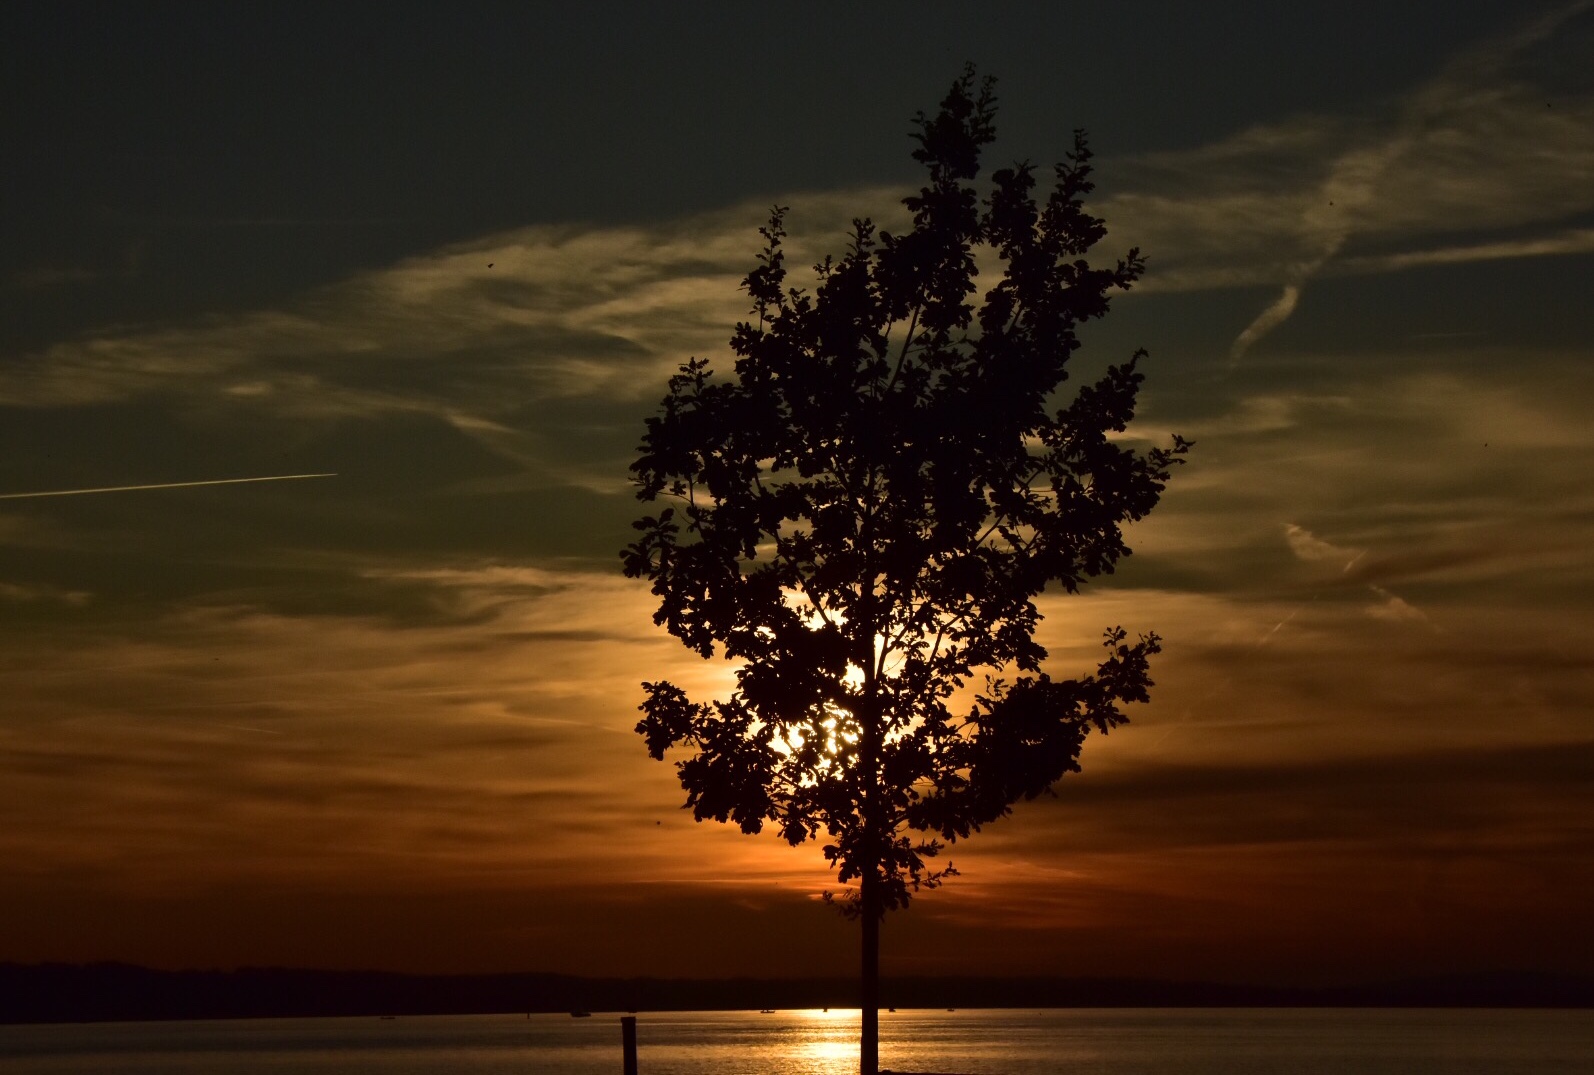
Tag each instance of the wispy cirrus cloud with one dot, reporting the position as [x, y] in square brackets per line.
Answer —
[520, 342]
[1502, 138]
[1573, 241]
[30, 592]
[468, 330]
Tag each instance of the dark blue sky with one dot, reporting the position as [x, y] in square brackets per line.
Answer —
[249, 150]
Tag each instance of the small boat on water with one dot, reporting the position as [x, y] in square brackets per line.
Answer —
[580, 1015]
[766, 1011]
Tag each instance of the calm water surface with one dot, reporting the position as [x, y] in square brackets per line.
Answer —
[978, 1042]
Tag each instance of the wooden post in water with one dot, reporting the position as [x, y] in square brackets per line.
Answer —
[628, 1042]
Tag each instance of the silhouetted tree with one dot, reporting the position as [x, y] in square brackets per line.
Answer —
[866, 511]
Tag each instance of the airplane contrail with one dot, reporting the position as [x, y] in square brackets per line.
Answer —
[163, 485]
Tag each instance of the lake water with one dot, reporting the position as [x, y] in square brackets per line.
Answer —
[977, 1042]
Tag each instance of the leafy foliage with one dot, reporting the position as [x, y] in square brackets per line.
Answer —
[865, 512]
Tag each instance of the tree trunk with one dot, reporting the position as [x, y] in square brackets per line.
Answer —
[869, 895]
[869, 977]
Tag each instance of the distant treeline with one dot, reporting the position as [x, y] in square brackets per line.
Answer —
[55, 992]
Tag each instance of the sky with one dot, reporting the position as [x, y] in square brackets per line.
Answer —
[446, 258]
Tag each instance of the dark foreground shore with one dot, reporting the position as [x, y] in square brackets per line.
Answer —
[43, 993]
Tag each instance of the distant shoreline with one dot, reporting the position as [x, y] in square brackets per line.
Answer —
[116, 992]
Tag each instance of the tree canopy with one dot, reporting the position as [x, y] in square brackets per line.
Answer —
[862, 513]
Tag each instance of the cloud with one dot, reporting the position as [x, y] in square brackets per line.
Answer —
[1394, 609]
[543, 312]
[1571, 242]
[1501, 138]
[1266, 321]
[1312, 549]
[529, 343]
[30, 592]
[509, 733]
[581, 311]
[491, 334]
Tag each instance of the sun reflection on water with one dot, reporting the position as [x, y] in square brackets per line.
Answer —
[823, 1041]
[830, 1049]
